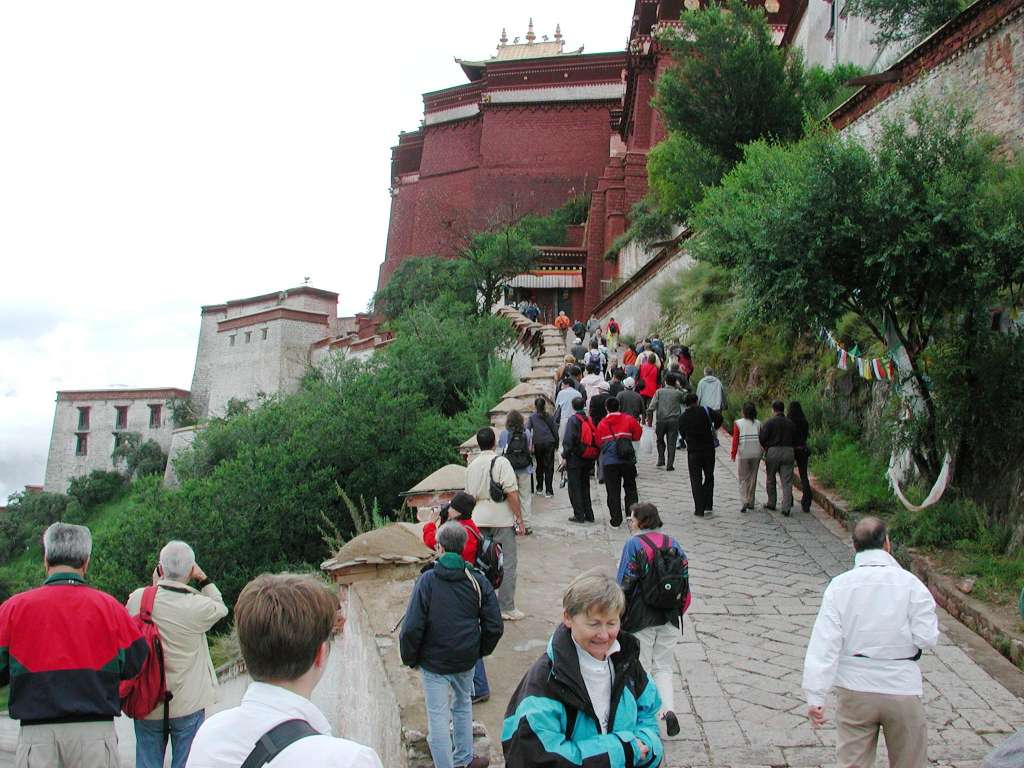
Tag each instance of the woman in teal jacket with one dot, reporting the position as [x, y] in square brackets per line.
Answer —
[587, 701]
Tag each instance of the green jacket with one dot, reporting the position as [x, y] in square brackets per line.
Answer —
[667, 403]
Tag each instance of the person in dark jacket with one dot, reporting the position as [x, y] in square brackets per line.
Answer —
[629, 400]
[801, 453]
[656, 629]
[577, 467]
[452, 620]
[699, 428]
[615, 435]
[598, 402]
[587, 701]
[545, 442]
[64, 648]
[666, 407]
[778, 436]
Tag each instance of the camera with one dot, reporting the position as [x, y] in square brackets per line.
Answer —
[443, 514]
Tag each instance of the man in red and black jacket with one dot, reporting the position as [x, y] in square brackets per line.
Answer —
[64, 648]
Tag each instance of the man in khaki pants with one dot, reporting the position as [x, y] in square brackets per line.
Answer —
[873, 624]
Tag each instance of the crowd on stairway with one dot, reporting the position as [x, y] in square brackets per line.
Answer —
[601, 694]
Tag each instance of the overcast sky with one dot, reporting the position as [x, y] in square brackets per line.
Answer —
[155, 157]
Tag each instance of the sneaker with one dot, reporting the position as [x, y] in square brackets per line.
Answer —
[671, 724]
[514, 615]
[549, 495]
[709, 512]
[481, 698]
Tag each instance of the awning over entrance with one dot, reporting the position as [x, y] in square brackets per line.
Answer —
[546, 279]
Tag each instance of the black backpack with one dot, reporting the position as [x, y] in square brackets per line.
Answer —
[518, 450]
[489, 558]
[666, 582]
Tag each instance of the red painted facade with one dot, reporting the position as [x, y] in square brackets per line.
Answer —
[519, 139]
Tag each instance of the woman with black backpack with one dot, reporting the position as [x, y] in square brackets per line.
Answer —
[654, 575]
[545, 440]
[515, 443]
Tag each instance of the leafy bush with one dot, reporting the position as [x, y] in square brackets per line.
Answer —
[27, 515]
[98, 487]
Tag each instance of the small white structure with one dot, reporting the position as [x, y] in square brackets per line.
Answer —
[88, 424]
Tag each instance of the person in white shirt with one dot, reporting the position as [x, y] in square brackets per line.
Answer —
[873, 624]
[284, 624]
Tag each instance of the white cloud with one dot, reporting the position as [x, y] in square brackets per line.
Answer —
[155, 157]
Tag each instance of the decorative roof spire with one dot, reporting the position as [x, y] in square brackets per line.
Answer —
[530, 36]
[503, 41]
[558, 33]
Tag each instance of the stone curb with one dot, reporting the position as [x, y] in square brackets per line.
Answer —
[968, 611]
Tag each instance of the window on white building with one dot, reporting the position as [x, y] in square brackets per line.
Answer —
[231, 340]
[155, 412]
[263, 334]
[120, 417]
[83, 418]
[81, 444]
[248, 336]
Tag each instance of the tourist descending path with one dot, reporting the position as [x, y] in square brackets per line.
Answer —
[757, 580]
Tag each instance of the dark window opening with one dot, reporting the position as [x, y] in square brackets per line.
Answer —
[121, 417]
[81, 444]
[83, 419]
[155, 412]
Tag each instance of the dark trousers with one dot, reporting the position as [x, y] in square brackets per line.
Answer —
[544, 474]
[667, 431]
[802, 455]
[619, 477]
[702, 479]
[579, 492]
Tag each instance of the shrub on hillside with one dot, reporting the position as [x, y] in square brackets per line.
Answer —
[27, 515]
[98, 487]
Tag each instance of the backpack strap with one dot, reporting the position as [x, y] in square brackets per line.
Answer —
[276, 740]
[476, 586]
[146, 615]
[146, 608]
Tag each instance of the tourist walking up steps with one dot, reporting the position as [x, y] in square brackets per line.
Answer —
[777, 437]
[452, 620]
[579, 451]
[515, 443]
[654, 574]
[544, 429]
[562, 323]
[873, 624]
[629, 401]
[66, 647]
[667, 407]
[563, 405]
[284, 624]
[746, 449]
[699, 427]
[184, 615]
[587, 702]
[711, 392]
[801, 452]
[648, 381]
[617, 433]
[491, 480]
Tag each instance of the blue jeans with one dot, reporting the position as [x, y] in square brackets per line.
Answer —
[149, 740]
[480, 685]
[441, 712]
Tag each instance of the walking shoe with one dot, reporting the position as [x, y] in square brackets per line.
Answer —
[767, 508]
[549, 495]
[699, 514]
[478, 761]
[671, 724]
[785, 512]
[743, 509]
[659, 465]
[514, 615]
[575, 519]
[670, 469]
[481, 698]
[708, 512]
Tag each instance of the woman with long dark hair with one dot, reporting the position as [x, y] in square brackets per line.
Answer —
[801, 453]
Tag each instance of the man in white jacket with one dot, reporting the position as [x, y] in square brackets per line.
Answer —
[873, 624]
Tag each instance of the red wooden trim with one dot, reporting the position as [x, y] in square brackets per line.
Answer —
[302, 290]
[79, 395]
[278, 313]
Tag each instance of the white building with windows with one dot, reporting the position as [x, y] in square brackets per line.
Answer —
[88, 424]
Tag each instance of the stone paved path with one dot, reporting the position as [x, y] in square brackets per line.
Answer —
[757, 581]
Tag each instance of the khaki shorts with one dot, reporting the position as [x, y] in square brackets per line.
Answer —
[67, 745]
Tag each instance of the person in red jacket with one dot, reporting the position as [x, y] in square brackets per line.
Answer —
[64, 648]
[615, 435]
[648, 383]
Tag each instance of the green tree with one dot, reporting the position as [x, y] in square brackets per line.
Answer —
[139, 458]
[421, 281]
[899, 20]
[491, 259]
[893, 235]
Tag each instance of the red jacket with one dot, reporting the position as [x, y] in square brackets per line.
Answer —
[612, 427]
[649, 377]
[65, 647]
[469, 552]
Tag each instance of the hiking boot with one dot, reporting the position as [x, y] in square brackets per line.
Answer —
[478, 761]
[671, 724]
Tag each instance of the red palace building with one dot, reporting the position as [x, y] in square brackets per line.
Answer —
[534, 126]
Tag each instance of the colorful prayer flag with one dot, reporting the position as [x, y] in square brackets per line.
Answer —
[842, 359]
[878, 369]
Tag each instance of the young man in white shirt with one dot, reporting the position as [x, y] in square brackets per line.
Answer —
[873, 624]
[284, 625]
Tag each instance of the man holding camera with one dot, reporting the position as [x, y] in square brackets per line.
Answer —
[184, 615]
[491, 480]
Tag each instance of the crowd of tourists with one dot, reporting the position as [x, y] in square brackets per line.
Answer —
[601, 694]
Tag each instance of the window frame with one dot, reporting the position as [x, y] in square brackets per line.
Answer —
[120, 410]
[155, 410]
[84, 415]
[81, 443]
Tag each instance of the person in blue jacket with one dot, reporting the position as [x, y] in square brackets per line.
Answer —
[587, 701]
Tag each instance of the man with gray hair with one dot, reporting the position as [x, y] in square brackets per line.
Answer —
[184, 615]
[64, 648]
[452, 620]
[873, 624]
[711, 392]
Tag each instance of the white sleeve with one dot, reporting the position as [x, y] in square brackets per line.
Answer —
[924, 623]
[822, 657]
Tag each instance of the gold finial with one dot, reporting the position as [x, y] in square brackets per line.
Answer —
[530, 36]
[558, 33]
[503, 40]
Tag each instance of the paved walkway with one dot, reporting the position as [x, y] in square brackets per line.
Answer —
[757, 581]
